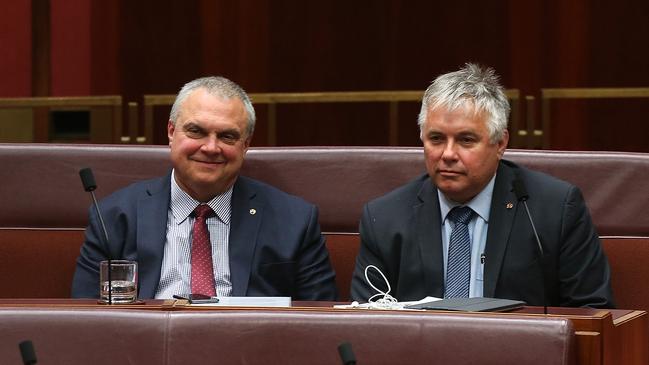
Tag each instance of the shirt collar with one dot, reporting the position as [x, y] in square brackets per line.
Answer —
[480, 204]
[182, 205]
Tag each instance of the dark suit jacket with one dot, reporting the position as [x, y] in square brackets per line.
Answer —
[279, 251]
[401, 234]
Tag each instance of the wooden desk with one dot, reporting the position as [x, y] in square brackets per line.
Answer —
[604, 337]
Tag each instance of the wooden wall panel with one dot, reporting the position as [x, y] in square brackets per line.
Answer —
[160, 46]
[235, 41]
[15, 49]
[70, 47]
[153, 47]
[618, 57]
[570, 69]
[383, 45]
[105, 48]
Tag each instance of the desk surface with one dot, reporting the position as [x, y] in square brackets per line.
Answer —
[173, 304]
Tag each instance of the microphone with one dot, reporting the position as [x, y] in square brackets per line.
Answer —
[346, 353]
[89, 185]
[27, 352]
[522, 196]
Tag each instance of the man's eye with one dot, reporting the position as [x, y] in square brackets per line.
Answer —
[193, 132]
[229, 138]
[435, 138]
[467, 140]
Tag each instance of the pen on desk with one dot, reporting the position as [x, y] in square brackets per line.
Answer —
[197, 298]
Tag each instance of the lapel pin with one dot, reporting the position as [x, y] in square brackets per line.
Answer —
[253, 211]
[509, 205]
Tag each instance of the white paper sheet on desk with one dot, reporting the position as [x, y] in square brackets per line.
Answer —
[401, 305]
[249, 302]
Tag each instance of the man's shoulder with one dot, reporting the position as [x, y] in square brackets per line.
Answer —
[405, 194]
[538, 178]
[269, 192]
[130, 193]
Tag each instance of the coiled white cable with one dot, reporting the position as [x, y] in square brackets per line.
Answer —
[381, 300]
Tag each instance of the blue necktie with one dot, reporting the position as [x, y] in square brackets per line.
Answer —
[458, 271]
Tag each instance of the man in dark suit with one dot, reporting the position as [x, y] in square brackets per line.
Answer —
[462, 231]
[258, 241]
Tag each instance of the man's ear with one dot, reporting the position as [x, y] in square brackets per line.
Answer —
[170, 131]
[246, 144]
[502, 144]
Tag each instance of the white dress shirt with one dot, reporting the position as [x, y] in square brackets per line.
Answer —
[478, 227]
[175, 274]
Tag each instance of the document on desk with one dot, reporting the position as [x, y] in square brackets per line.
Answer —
[249, 302]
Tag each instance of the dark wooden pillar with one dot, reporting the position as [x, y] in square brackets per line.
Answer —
[40, 47]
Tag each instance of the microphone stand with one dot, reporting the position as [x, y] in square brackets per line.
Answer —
[89, 185]
[541, 259]
[522, 196]
[103, 227]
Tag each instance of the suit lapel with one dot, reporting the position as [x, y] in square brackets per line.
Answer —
[247, 213]
[429, 239]
[501, 217]
[152, 210]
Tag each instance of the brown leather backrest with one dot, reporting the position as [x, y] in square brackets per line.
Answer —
[38, 263]
[44, 208]
[41, 187]
[30, 253]
[261, 336]
[343, 249]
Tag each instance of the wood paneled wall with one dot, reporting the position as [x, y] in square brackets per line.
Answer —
[153, 47]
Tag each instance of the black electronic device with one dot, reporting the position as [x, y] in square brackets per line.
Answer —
[197, 298]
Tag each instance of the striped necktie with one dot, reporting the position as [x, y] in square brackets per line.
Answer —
[458, 271]
[202, 268]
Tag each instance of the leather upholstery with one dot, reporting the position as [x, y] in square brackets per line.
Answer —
[76, 336]
[338, 179]
[259, 336]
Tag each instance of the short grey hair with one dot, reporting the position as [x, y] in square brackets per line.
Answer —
[474, 85]
[217, 86]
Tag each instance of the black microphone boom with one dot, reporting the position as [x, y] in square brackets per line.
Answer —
[522, 196]
[89, 185]
[346, 353]
[87, 179]
[27, 352]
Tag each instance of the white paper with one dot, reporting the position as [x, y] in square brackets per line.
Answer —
[249, 302]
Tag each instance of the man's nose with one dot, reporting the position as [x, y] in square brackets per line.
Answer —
[450, 151]
[211, 144]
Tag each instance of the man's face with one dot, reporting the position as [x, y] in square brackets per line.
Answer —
[460, 159]
[208, 144]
